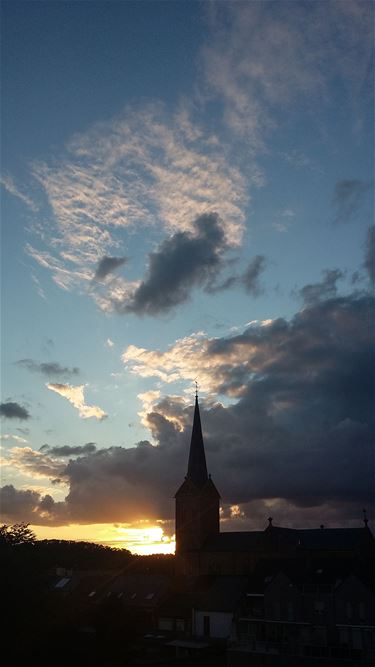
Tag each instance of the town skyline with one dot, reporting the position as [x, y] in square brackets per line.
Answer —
[187, 195]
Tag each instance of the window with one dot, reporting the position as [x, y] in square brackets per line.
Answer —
[91, 595]
[349, 610]
[149, 596]
[206, 626]
[165, 624]
[290, 611]
[361, 611]
[319, 606]
[62, 582]
[180, 624]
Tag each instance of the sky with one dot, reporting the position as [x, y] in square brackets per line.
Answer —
[187, 195]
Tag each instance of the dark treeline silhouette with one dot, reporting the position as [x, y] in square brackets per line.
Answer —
[41, 621]
[18, 542]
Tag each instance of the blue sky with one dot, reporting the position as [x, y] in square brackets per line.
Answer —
[175, 176]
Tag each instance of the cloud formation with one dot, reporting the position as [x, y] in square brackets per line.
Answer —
[297, 436]
[326, 289]
[67, 450]
[262, 57]
[29, 506]
[145, 168]
[251, 277]
[181, 262]
[48, 368]
[8, 183]
[348, 198]
[11, 436]
[108, 265]
[370, 253]
[33, 463]
[13, 410]
[75, 396]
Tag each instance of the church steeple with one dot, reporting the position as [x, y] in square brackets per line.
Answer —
[197, 499]
[197, 468]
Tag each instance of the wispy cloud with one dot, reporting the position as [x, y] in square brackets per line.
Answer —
[10, 436]
[251, 277]
[144, 168]
[33, 463]
[326, 289]
[48, 368]
[261, 57]
[348, 198]
[68, 450]
[75, 395]
[369, 262]
[284, 221]
[8, 183]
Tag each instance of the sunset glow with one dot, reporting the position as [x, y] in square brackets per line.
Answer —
[143, 541]
[187, 197]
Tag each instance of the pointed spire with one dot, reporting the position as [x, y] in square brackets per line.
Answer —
[197, 468]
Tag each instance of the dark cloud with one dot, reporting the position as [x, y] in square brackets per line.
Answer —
[251, 277]
[30, 507]
[326, 289]
[48, 368]
[299, 437]
[348, 198]
[67, 450]
[181, 262]
[108, 265]
[370, 253]
[12, 410]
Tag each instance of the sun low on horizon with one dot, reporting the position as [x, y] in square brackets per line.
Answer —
[143, 541]
[187, 205]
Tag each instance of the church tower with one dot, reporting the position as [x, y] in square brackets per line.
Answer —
[197, 499]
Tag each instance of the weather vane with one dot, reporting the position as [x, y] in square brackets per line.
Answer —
[196, 388]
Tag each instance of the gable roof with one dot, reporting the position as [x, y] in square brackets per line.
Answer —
[234, 541]
[334, 539]
[139, 590]
[326, 539]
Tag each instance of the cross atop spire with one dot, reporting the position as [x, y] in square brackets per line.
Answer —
[197, 468]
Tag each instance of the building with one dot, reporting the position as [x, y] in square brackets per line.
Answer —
[279, 596]
[201, 549]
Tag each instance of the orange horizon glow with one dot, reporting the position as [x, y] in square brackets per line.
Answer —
[141, 540]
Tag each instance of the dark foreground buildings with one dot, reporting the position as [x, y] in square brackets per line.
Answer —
[279, 597]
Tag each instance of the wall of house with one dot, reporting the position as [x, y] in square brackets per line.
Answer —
[220, 623]
[355, 603]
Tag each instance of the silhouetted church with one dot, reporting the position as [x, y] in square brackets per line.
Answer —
[202, 549]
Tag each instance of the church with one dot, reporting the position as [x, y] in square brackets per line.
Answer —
[201, 549]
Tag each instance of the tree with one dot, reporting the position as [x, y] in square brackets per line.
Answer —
[16, 534]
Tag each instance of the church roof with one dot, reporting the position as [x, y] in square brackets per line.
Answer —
[234, 541]
[327, 539]
[336, 539]
[197, 468]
